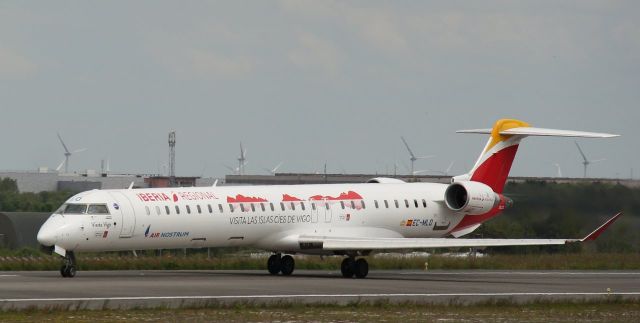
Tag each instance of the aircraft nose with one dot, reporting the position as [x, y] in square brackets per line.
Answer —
[46, 236]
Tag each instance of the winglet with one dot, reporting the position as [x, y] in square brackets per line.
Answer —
[593, 235]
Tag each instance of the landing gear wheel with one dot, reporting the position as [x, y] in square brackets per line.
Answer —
[274, 264]
[287, 265]
[68, 269]
[347, 267]
[361, 268]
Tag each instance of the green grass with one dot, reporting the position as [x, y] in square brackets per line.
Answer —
[199, 261]
[614, 310]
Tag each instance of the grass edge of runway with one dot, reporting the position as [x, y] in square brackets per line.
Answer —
[613, 305]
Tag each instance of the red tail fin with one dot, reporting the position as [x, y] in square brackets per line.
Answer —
[494, 164]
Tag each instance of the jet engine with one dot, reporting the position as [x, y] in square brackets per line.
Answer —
[471, 197]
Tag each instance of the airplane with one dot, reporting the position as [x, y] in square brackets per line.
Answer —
[349, 220]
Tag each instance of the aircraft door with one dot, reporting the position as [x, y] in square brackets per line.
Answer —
[314, 212]
[327, 214]
[127, 213]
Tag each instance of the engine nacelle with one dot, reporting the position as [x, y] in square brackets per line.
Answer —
[386, 180]
[471, 197]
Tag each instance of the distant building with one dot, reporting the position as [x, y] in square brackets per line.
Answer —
[165, 181]
[19, 229]
[44, 180]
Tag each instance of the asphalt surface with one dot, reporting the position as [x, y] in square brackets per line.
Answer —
[131, 289]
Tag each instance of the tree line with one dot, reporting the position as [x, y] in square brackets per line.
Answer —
[11, 200]
[552, 210]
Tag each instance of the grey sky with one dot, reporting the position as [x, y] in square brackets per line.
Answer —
[306, 82]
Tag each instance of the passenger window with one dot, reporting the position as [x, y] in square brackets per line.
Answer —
[406, 203]
[313, 206]
[282, 206]
[210, 208]
[188, 210]
[326, 205]
[146, 208]
[242, 207]
[167, 210]
[415, 202]
[302, 205]
[220, 208]
[362, 202]
[271, 206]
[424, 203]
[177, 209]
[262, 206]
[375, 203]
[253, 208]
[157, 210]
[231, 208]
[199, 209]
[386, 204]
[293, 206]
[396, 203]
[353, 204]
[342, 204]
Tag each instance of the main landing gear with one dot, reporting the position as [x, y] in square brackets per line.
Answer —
[350, 267]
[281, 264]
[68, 269]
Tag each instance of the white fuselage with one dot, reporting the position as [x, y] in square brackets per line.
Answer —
[265, 217]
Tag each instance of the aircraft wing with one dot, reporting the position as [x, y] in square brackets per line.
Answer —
[336, 243]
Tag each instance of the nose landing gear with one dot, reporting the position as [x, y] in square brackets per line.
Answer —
[68, 268]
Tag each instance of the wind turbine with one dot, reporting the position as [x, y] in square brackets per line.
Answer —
[586, 161]
[242, 160]
[559, 170]
[413, 157]
[67, 154]
[273, 170]
[234, 170]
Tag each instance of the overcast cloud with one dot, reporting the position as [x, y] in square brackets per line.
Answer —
[309, 82]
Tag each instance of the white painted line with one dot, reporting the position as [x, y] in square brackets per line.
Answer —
[8, 275]
[133, 298]
[518, 273]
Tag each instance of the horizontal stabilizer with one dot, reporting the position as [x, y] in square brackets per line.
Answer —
[531, 131]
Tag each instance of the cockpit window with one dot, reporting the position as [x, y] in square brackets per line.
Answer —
[83, 209]
[74, 209]
[98, 209]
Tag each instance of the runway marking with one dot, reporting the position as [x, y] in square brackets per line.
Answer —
[133, 298]
[518, 273]
[8, 275]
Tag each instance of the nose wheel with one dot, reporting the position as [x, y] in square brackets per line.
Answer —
[68, 269]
